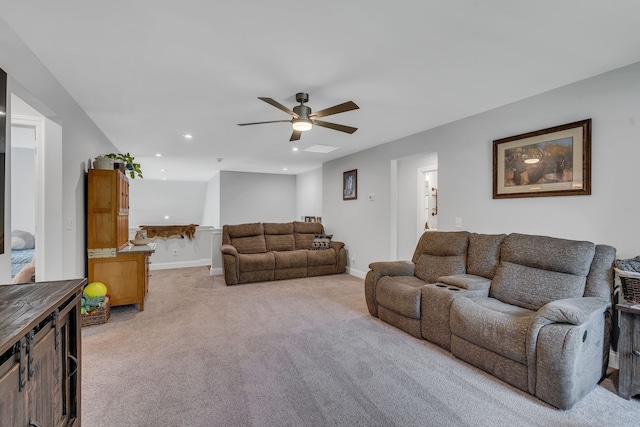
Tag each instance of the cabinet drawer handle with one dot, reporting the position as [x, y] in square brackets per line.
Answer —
[76, 367]
[636, 353]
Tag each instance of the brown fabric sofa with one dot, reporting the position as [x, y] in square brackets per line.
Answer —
[534, 311]
[258, 252]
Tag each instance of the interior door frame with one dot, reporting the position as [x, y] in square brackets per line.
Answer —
[37, 123]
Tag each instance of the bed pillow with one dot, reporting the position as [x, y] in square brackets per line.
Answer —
[22, 240]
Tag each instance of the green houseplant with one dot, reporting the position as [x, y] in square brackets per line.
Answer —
[129, 165]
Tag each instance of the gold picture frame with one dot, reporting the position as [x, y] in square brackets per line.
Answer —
[550, 162]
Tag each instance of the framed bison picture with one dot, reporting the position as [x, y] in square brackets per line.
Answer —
[548, 162]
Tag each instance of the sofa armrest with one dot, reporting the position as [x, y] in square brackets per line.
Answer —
[392, 268]
[578, 326]
[378, 270]
[229, 250]
[230, 264]
[574, 311]
[341, 256]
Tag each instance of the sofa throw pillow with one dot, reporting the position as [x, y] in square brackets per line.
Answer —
[22, 240]
[321, 242]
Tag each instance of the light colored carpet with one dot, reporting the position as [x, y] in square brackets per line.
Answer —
[293, 353]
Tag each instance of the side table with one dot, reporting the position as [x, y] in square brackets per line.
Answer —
[629, 349]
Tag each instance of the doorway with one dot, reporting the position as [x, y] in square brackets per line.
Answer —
[47, 187]
[408, 200]
[23, 196]
[428, 210]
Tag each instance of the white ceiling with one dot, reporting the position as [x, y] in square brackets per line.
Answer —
[148, 71]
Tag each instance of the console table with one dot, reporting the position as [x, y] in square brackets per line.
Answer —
[40, 353]
[629, 349]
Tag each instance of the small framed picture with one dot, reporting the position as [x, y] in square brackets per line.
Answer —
[350, 185]
[319, 219]
[309, 219]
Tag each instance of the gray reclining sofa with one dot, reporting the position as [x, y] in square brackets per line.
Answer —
[534, 311]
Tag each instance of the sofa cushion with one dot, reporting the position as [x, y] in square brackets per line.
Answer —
[532, 288]
[549, 253]
[442, 243]
[305, 232]
[279, 237]
[247, 238]
[326, 257]
[483, 254]
[256, 262]
[400, 294]
[493, 325]
[430, 267]
[535, 270]
[291, 259]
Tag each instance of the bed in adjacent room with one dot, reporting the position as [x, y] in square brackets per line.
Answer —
[23, 246]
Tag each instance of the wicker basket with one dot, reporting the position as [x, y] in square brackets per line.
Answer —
[630, 285]
[101, 315]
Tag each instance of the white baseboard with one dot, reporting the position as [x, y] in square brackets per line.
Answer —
[614, 359]
[215, 271]
[179, 264]
[357, 273]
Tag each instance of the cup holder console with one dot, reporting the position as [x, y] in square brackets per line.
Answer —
[440, 285]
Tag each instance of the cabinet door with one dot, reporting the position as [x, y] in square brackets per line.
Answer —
[102, 209]
[120, 275]
[46, 384]
[13, 406]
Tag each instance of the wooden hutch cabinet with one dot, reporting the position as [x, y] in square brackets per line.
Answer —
[124, 269]
[40, 354]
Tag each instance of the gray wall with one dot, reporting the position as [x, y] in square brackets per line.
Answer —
[257, 197]
[309, 194]
[211, 210]
[82, 140]
[23, 190]
[151, 200]
[465, 168]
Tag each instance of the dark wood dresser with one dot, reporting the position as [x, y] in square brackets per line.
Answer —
[629, 349]
[40, 354]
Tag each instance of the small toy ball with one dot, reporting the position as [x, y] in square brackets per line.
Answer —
[95, 289]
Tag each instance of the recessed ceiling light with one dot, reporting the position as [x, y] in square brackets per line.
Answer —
[188, 136]
[166, 217]
[285, 169]
[163, 170]
[158, 155]
[295, 149]
[164, 179]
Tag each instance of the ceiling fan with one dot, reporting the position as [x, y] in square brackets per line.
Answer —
[303, 119]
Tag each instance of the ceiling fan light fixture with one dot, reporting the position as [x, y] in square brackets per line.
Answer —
[302, 125]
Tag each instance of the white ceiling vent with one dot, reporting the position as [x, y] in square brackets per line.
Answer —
[321, 148]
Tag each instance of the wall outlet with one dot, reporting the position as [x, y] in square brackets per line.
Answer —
[175, 252]
[458, 222]
[353, 259]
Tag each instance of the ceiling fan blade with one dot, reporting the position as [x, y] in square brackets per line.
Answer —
[295, 135]
[335, 126]
[278, 105]
[340, 108]
[261, 123]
